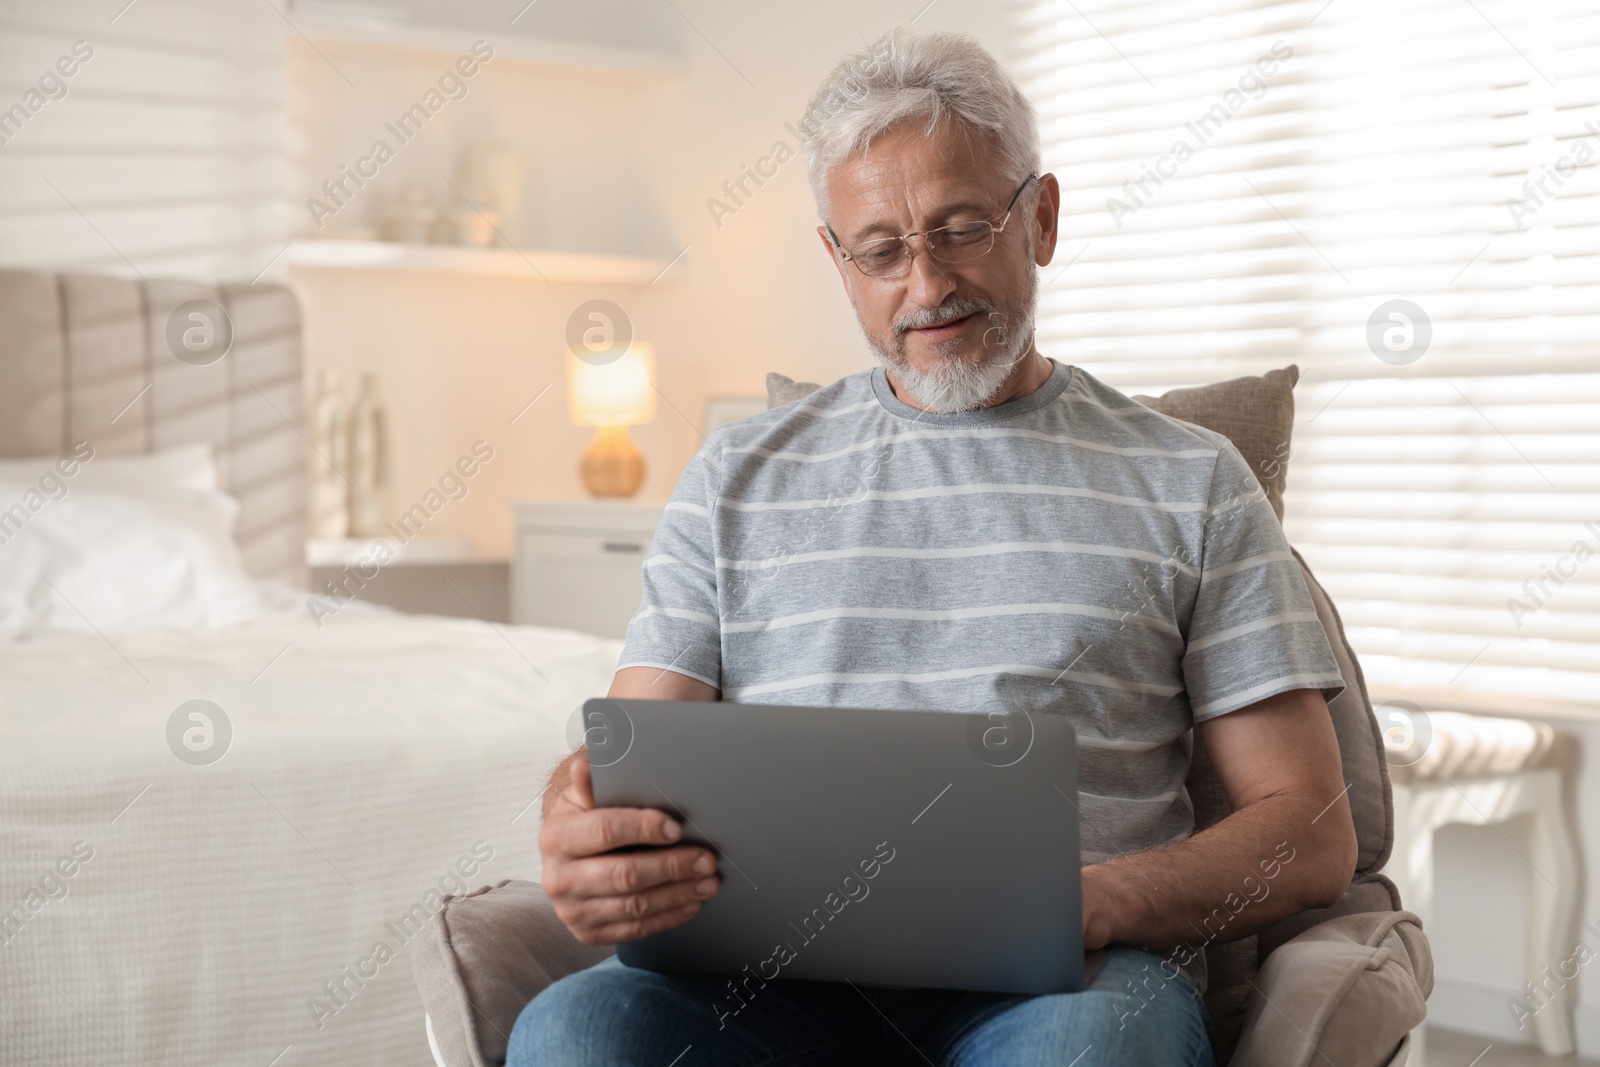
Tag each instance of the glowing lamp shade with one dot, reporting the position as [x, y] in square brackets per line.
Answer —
[619, 393]
[611, 396]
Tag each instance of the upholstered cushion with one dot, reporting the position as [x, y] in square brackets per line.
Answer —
[77, 359]
[1256, 413]
[1470, 746]
[1360, 741]
[783, 390]
[1345, 992]
[483, 957]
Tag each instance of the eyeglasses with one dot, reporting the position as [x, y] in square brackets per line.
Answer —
[960, 242]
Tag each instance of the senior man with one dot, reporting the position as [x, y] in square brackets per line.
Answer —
[969, 526]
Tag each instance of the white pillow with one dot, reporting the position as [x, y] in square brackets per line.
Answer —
[191, 466]
[151, 557]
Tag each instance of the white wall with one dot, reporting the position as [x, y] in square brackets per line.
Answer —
[458, 357]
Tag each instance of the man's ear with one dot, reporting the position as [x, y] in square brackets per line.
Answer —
[1046, 219]
[827, 246]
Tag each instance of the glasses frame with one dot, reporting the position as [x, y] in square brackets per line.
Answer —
[905, 239]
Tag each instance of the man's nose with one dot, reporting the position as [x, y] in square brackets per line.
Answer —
[926, 283]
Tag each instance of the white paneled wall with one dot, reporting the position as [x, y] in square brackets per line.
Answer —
[162, 153]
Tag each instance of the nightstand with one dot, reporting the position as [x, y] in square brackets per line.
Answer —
[427, 575]
[576, 564]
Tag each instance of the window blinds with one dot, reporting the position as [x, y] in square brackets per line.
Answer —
[1252, 184]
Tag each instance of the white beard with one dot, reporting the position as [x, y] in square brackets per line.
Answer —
[955, 384]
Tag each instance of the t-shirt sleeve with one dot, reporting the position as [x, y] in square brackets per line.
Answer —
[678, 626]
[1254, 630]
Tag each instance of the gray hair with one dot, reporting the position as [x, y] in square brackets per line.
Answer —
[907, 75]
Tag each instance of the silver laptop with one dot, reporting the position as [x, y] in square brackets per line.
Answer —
[893, 848]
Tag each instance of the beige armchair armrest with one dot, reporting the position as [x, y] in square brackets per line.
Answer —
[1352, 987]
[482, 958]
[1347, 991]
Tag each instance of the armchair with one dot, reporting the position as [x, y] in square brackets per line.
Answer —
[1343, 984]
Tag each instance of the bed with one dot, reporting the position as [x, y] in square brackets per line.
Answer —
[162, 903]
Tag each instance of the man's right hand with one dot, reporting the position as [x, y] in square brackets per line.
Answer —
[605, 896]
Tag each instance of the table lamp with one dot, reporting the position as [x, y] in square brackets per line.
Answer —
[611, 396]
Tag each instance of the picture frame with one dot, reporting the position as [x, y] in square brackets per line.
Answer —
[721, 410]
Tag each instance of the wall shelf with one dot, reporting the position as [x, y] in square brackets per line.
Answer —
[618, 61]
[483, 262]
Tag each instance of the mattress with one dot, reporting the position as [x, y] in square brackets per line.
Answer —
[161, 906]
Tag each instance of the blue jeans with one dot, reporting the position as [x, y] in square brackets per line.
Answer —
[1131, 1015]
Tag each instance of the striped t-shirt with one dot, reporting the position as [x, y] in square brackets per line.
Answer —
[1070, 552]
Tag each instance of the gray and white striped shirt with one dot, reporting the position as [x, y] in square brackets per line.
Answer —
[1070, 552]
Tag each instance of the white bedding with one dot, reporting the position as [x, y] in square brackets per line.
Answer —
[365, 760]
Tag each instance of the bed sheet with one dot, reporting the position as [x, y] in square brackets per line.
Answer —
[158, 906]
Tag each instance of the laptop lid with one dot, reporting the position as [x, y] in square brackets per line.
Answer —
[901, 848]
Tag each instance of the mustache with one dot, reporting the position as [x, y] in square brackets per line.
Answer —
[955, 307]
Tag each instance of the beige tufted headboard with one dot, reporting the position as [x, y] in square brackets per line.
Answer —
[85, 357]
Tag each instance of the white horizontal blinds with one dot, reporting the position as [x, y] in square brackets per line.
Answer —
[160, 154]
[1379, 152]
[1181, 271]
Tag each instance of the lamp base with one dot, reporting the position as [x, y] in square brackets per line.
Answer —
[612, 465]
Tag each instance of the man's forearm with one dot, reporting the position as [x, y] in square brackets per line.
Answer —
[1263, 863]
